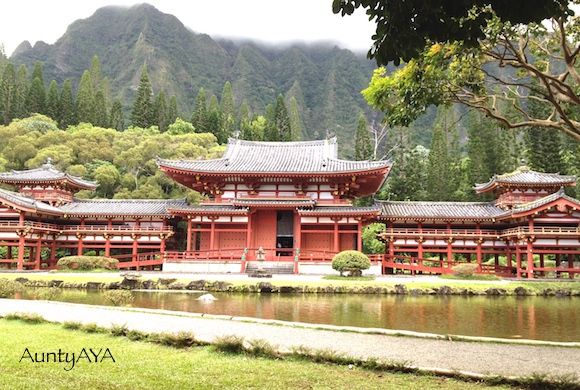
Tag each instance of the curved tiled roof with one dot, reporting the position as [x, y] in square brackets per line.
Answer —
[28, 203]
[439, 210]
[276, 157]
[45, 174]
[339, 210]
[524, 175]
[129, 207]
[274, 202]
[209, 209]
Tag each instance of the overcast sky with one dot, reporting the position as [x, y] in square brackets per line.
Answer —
[271, 21]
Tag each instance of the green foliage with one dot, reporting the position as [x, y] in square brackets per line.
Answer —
[403, 29]
[119, 297]
[229, 344]
[8, 288]
[369, 237]
[86, 263]
[350, 261]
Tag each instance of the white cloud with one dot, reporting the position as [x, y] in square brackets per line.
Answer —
[266, 20]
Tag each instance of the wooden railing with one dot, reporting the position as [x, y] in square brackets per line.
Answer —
[542, 230]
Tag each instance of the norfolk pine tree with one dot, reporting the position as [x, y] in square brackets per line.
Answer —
[142, 107]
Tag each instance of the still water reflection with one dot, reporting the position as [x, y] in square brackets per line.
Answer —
[539, 318]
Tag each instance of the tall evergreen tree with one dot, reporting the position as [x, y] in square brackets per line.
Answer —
[36, 97]
[142, 107]
[116, 118]
[214, 120]
[199, 116]
[243, 121]
[173, 113]
[52, 103]
[228, 110]
[37, 73]
[160, 112]
[271, 132]
[21, 92]
[85, 100]
[66, 103]
[95, 75]
[8, 94]
[363, 148]
[101, 115]
[438, 167]
[282, 119]
[295, 121]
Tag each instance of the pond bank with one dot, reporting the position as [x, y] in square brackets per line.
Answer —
[418, 285]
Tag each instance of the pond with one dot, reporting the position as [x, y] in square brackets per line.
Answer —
[536, 318]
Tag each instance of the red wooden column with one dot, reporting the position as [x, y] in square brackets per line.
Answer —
[359, 236]
[80, 237]
[212, 233]
[570, 265]
[21, 242]
[530, 249]
[189, 226]
[518, 260]
[420, 242]
[336, 246]
[108, 238]
[135, 248]
[38, 251]
[249, 232]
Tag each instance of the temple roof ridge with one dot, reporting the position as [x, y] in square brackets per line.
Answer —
[266, 157]
[28, 202]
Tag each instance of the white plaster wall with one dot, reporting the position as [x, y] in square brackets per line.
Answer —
[222, 267]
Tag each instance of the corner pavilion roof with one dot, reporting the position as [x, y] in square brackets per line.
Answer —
[45, 175]
[252, 157]
[524, 176]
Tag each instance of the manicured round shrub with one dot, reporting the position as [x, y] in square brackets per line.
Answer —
[86, 262]
[465, 270]
[353, 262]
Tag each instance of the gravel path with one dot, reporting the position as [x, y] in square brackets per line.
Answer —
[514, 359]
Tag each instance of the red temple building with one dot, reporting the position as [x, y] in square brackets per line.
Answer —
[43, 222]
[292, 199]
[293, 203]
[531, 218]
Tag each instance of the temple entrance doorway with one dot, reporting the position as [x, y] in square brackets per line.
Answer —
[284, 233]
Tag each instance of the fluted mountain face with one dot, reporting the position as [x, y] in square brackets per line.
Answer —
[325, 80]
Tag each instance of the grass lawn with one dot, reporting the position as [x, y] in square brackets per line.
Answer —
[141, 365]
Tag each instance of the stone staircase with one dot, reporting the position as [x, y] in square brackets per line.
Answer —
[285, 268]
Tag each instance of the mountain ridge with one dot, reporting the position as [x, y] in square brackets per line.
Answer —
[327, 80]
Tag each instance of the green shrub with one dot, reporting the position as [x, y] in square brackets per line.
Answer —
[119, 297]
[8, 288]
[351, 261]
[465, 270]
[87, 263]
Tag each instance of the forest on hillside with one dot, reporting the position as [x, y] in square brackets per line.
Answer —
[87, 136]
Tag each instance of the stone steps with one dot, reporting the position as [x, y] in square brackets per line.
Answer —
[285, 268]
